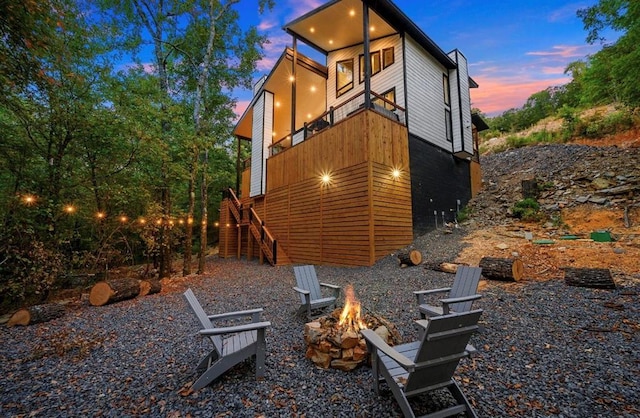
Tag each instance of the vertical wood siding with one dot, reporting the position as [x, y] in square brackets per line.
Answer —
[257, 139]
[461, 104]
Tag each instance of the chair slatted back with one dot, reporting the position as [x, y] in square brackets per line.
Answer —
[464, 284]
[307, 279]
[443, 345]
[203, 318]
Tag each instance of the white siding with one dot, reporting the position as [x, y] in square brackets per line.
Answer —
[463, 140]
[387, 79]
[261, 139]
[425, 96]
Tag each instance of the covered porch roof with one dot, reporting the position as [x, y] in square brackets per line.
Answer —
[338, 24]
[311, 79]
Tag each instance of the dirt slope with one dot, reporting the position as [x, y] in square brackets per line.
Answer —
[584, 189]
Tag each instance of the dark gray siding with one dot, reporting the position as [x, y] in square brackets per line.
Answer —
[438, 181]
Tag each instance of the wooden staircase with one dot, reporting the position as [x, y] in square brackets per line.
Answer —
[257, 229]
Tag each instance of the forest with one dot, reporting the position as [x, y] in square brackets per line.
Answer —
[104, 165]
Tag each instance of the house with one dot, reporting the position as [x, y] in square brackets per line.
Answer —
[352, 158]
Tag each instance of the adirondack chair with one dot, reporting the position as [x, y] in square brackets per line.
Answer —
[311, 297]
[460, 295]
[231, 344]
[420, 367]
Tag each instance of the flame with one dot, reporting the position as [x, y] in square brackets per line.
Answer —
[350, 316]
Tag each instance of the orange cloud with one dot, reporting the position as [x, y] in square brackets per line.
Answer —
[563, 51]
[497, 94]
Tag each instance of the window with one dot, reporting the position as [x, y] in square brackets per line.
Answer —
[445, 88]
[344, 76]
[376, 66]
[390, 96]
[448, 127]
[388, 57]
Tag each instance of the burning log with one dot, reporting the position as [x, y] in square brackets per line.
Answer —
[335, 341]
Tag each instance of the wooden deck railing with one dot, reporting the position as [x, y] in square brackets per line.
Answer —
[340, 112]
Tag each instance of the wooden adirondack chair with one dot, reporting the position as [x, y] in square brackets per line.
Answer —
[460, 295]
[423, 366]
[232, 344]
[311, 297]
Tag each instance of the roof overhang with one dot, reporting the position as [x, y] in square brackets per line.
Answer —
[479, 123]
[338, 24]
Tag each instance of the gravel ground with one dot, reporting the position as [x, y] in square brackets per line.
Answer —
[544, 349]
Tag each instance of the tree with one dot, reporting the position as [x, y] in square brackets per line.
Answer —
[615, 64]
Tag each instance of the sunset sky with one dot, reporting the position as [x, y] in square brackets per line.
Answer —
[514, 48]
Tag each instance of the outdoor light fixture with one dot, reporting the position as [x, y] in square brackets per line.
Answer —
[142, 221]
[123, 219]
[352, 12]
[395, 173]
[69, 209]
[29, 200]
[100, 215]
[325, 178]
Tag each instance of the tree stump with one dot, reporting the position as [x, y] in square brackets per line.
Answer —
[530, 189]
[36, 314]
[410, 258]
[507, 269]
[149, 287]
[115, 290]
[588, 277]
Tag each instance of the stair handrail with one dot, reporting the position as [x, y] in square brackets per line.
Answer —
[267, 242]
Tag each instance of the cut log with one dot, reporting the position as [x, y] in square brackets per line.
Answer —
[115, 290]
[149, 287]
[410, 258]
[36, 314]
[588, 277]
[508, 269]
[441, 266]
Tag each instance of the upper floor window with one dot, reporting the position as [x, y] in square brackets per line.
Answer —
[390, 96]
[344, 76]
[445, 88]
[388, 57]
[376, 64]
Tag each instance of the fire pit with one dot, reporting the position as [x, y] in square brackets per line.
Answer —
[334, 340]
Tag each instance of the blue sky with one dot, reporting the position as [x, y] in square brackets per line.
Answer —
[514, 47]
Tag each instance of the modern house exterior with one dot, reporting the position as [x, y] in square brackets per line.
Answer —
[353, 157]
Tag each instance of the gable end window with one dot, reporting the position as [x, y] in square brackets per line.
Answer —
[344, 76]
[448, 126]
[376, 64]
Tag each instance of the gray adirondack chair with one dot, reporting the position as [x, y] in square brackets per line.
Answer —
[231, 344]
[311, 297]
[460, 296]
[422, 366]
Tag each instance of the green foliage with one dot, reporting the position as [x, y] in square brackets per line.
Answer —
[611, 74]
[464, 214]
[526, 209]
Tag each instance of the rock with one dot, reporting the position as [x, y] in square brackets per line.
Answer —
[383, 333]
[502, 246]
[600, 183]
[598, 200]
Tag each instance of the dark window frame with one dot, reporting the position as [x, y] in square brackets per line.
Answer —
[448, 125]
[361, 64]
[446, 89]
[385, 104]
[385, 61]
[340, 90]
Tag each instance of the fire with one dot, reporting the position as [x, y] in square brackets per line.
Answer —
[350, 316]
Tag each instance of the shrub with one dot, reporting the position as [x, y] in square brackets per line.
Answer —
[526, 209]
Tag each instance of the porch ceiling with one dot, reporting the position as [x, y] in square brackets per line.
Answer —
[310, 92]
[336, 25]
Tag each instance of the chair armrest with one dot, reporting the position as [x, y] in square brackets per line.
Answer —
[460, 299]
[238, 328]
[420, 294]
[332, 286]
[299, 290]
[374, 340]
[236, 314]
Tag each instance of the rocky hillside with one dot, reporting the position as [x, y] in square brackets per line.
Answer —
[583, 189]
[567, 175]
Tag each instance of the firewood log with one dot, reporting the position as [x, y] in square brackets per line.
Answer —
[588, 277]
[36, 314]
[508, 269]
[410, 258]
[149, 287]
[115, 290]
